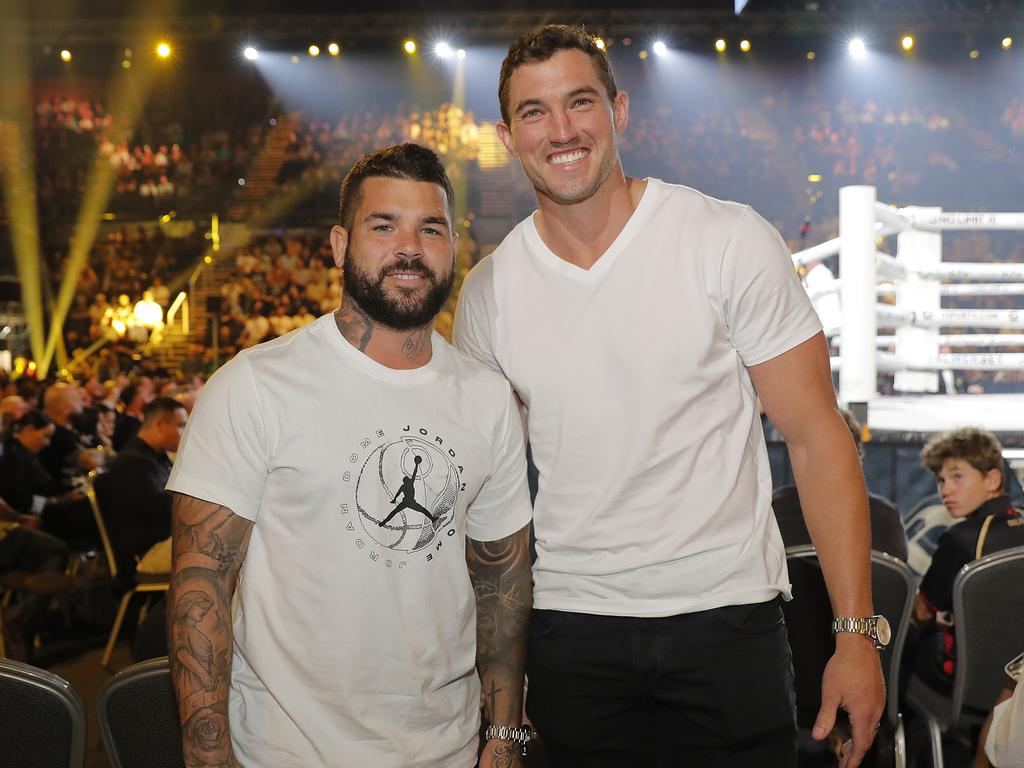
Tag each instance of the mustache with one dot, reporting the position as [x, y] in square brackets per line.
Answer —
[415, 266]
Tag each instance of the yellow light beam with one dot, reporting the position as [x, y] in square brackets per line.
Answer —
[129, 90]
[17, 170]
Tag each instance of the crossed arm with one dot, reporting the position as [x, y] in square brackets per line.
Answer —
[209, 545]
[503, 585]
[796, 390]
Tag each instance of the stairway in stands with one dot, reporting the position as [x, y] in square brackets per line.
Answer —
[262, 172]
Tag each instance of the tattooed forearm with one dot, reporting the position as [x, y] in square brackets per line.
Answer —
[209, 544]
[416, 343]
[354, 324]
[500, 572]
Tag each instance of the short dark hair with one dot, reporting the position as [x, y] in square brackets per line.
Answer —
[541, 45]
[402, 161]
[978, 447]
[34, 418]
[160, 408]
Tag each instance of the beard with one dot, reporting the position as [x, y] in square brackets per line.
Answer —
[405, 311]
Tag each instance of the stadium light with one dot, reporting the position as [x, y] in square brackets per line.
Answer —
[251, 53]
[65, 55]
[720, 45]
[443, 50]
[163, 50]
[409, 46]
[857, 48]
[314, 50]
[1007, 43]
[333, 48]
[745, 46]
[599, 42]
[659, 48]
[907, 42]
[460, 54]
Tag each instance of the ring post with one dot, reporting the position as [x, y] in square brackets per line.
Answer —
[919, 252]
[857, 372]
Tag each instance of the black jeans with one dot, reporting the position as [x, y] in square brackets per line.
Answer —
[712, 688]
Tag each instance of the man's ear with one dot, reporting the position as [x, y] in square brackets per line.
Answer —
[339, 244]
[505, 134]
[620, 111]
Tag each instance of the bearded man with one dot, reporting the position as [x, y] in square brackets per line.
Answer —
[361, 632]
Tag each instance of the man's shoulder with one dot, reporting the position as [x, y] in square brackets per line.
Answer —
[469, 370]
[675, 199]
[293, 344]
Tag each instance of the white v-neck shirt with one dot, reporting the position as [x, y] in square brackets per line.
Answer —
[654, 490]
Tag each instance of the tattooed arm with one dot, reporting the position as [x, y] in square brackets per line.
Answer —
[209, 545]
[502, 582]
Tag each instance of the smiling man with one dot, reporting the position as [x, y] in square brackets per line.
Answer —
[638, 322]
[358, 624]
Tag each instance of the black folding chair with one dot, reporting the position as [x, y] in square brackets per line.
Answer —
[809, 624]
[130, 586]
[988, 606]
[42, 719]
[138, 717]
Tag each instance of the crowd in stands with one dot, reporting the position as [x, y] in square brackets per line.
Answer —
[157, 165]
[188, 156]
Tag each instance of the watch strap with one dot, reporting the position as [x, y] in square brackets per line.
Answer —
[518, 734]
[867, 626]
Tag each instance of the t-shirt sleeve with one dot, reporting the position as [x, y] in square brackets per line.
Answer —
[474, 316]
[955, 550]
[766, 309]
[223, 456]
[502, 505]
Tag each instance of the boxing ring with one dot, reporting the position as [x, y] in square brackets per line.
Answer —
[914, 338]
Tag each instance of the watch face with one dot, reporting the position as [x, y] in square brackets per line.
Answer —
[883, 631]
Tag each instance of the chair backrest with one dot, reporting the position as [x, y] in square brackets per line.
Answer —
[94, 504]
[138, 717]
[988, 610]
[809, 624]
[893, 588]
[42, 719]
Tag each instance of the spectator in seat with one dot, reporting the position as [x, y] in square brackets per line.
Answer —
[968, 467]
[32, 563]
[30, 489]
[65, 456]
[136, 508]
[134, 399]
[887, 534]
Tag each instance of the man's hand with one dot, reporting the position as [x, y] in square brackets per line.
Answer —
[501, 754]
[853, 681]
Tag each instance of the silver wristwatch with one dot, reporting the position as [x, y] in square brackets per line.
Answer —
[874, 627]
[520, 734]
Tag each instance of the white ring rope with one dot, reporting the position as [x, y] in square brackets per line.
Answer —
[915, 279]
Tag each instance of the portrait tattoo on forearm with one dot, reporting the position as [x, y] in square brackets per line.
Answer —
[209, 544]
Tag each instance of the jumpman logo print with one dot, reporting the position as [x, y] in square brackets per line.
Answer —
[408, 493]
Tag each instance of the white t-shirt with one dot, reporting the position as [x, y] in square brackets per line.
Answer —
[654, 490]
[355, 642]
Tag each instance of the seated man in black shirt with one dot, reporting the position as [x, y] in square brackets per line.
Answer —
[135, 506]
[887, 534]
[968, 470]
